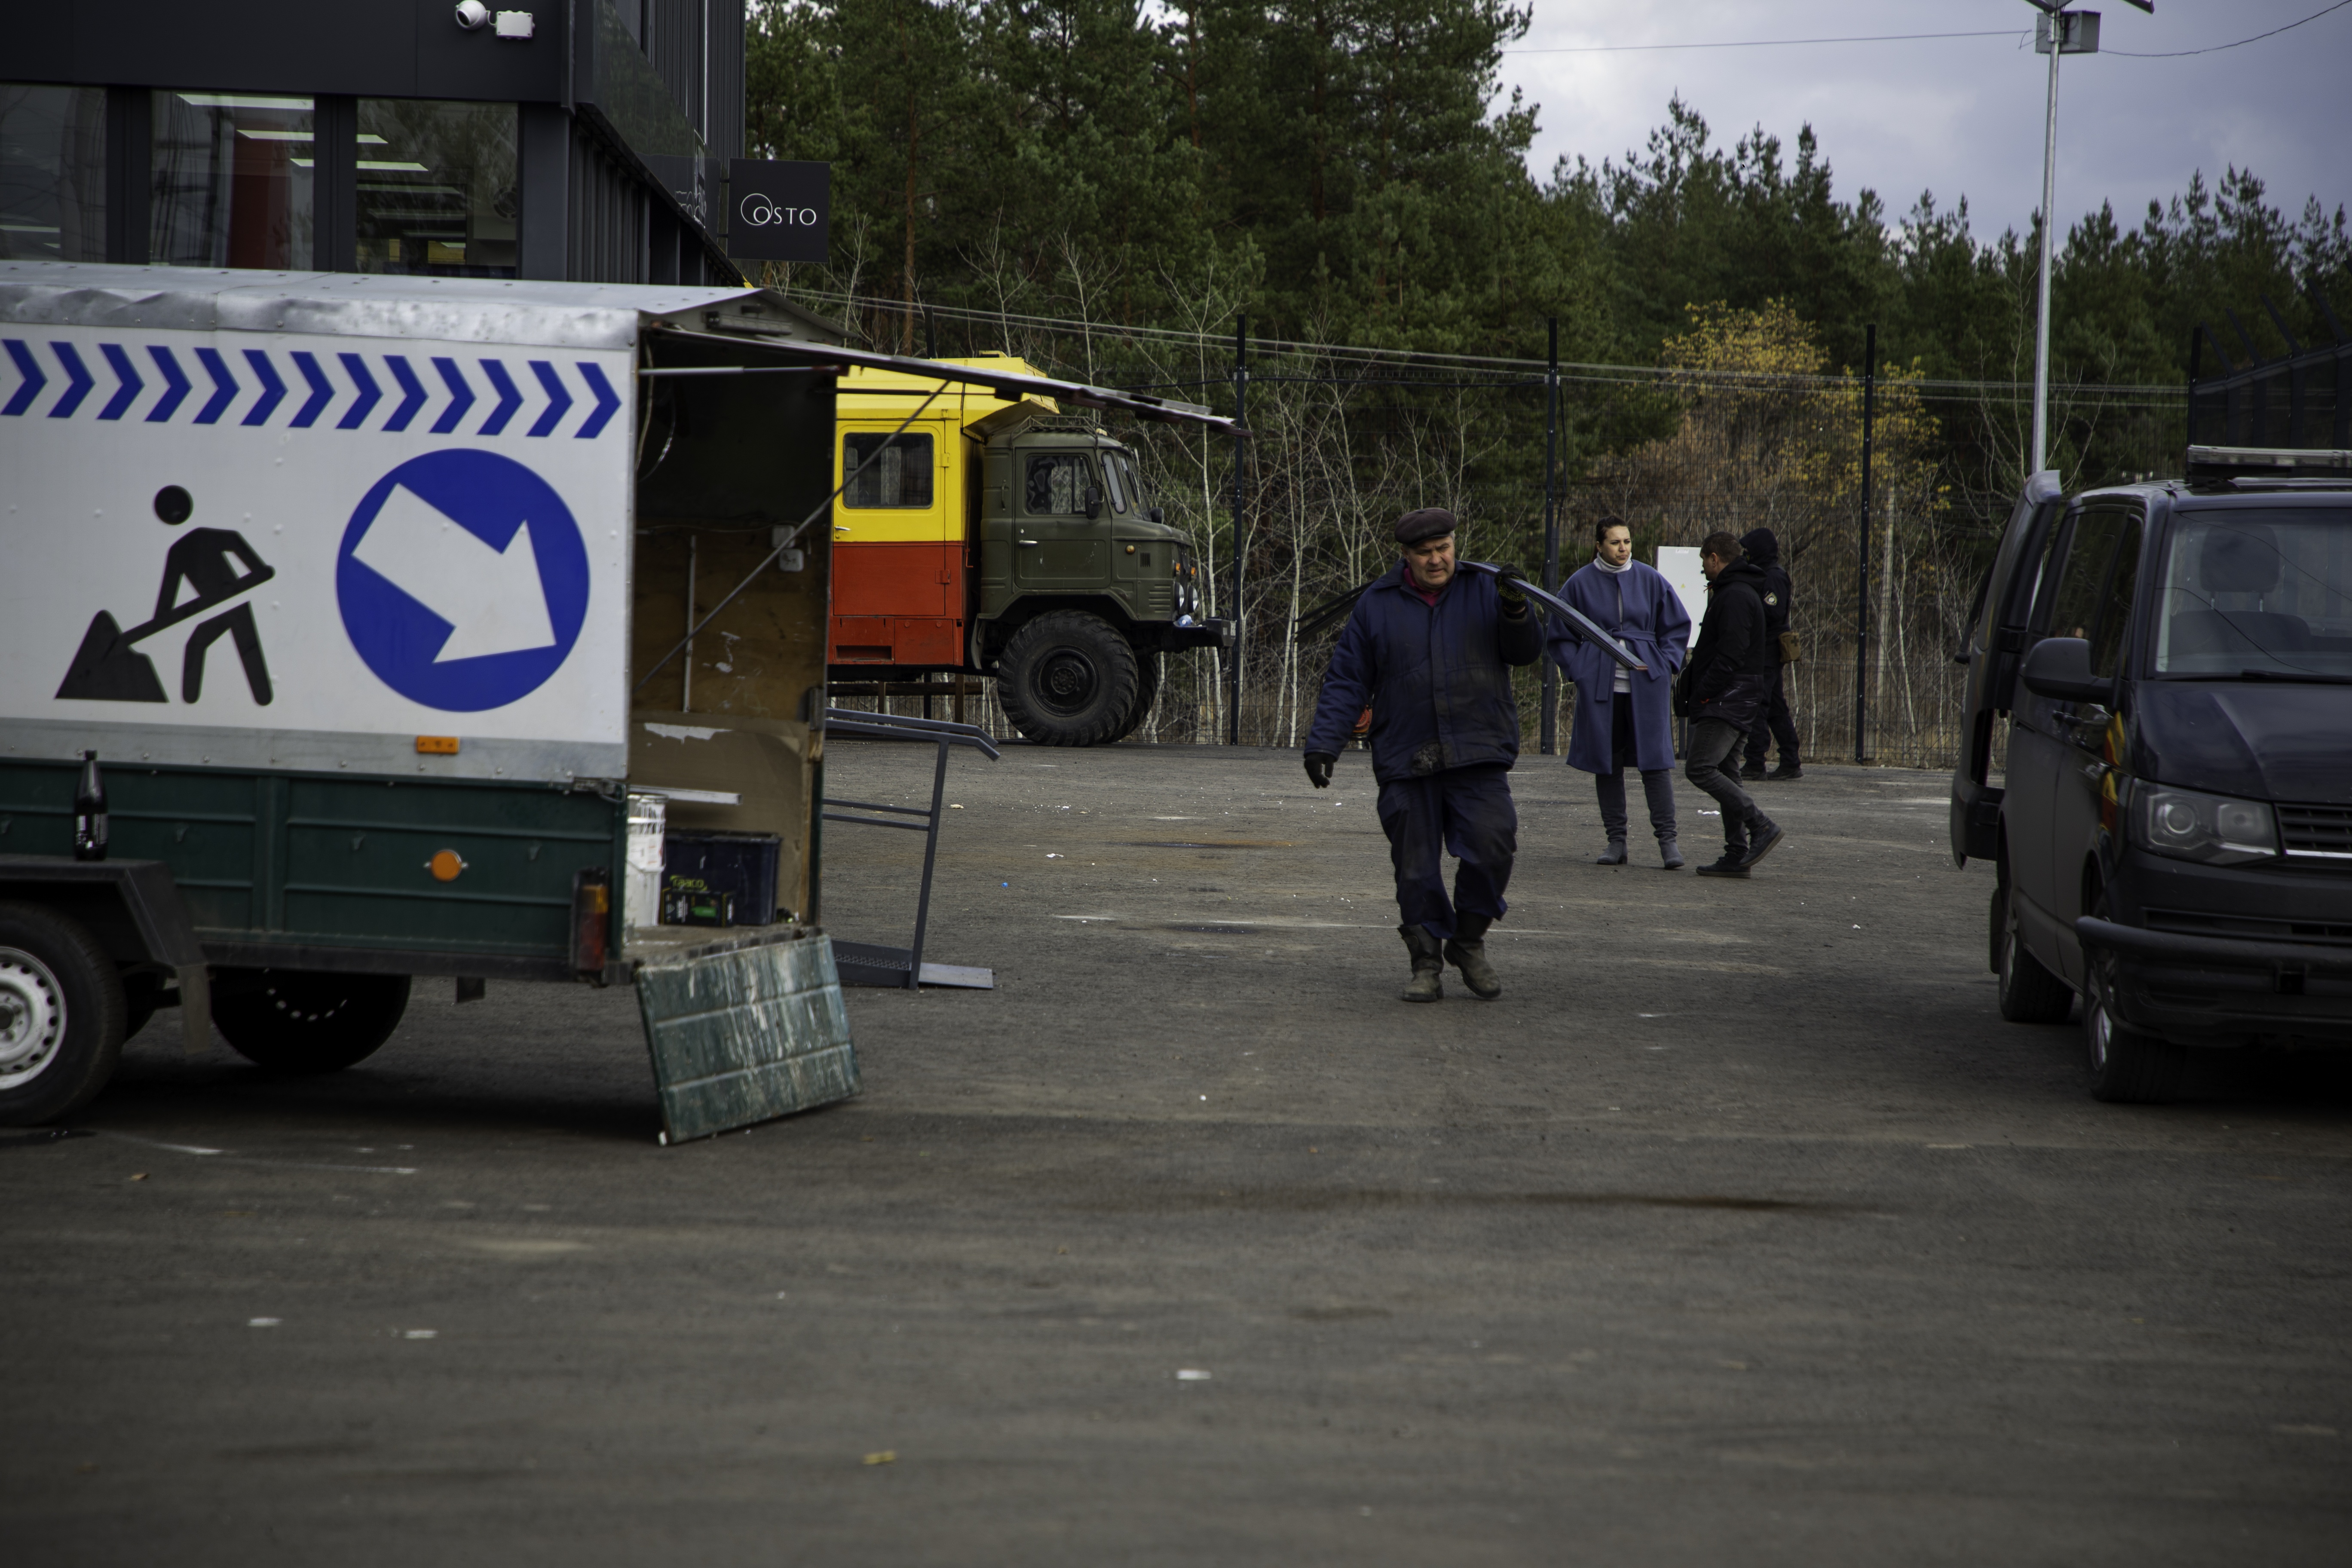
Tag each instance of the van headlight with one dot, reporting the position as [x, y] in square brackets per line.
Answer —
[2213, 829]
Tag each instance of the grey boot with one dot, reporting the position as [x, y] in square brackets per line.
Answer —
[1614, 855]
[1428, 983]
[1671, 854]
[1467, 953]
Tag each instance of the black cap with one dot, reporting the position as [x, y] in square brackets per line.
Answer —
[1429, 522]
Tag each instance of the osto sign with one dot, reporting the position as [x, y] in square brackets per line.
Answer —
[777, 211]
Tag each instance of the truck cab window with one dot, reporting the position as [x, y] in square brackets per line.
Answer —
[1123, 465]
[886, 471]
[1111, 473]
[1055, 485]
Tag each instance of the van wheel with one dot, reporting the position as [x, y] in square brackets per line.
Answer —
[2126, 1066]
[1068, 679]
[2029, 993]
[297, 1021]
[1147, 692]
[62, 1013]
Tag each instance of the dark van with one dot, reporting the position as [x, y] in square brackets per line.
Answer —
[2173, 833]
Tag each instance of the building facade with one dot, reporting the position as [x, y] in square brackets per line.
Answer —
[579, 140]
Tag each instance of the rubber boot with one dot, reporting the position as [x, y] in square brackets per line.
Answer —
[1614, 855]
[1670, 854]
[1467, 953]
[1428, 982]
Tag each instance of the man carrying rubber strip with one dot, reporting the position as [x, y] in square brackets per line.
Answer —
[1429, 648]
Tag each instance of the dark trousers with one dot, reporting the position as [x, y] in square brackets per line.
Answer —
[1774, 724]
[1464, 812]
[1657, 783]
[1713, 742]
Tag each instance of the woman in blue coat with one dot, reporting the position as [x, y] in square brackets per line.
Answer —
[1625, 718]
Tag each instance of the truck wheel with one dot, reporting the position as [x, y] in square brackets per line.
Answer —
[2126, 1066]
[1147, 692]
[61, 1016]
[2029, 993]
[1066, 679]
[292, 1020]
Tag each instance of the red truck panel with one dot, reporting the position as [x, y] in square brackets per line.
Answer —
[897, 604]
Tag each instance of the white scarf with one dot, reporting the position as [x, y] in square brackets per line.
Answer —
[1620, 680]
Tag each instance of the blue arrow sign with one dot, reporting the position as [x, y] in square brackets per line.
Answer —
[273, 387]
[78, 381]
[467, 618]
[119, 359]
[176, 386]
[559, 399]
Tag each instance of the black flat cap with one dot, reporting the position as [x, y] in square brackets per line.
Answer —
[1429, 522]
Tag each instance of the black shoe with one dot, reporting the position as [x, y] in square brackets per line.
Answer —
[1784, 772]
[1753, 771]
[1733, 863]
[1768, 835]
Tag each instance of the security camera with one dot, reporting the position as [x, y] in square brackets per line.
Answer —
[472, 13]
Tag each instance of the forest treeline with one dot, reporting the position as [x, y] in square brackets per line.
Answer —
[1346, 170]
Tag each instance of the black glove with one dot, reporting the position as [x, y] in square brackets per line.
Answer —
[1507, 588]
[1319, 768]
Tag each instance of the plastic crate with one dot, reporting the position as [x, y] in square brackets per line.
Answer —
[708, 863]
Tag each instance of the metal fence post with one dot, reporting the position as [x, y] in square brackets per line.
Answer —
[1551, 732]
[1241, 398]
[1862, 580]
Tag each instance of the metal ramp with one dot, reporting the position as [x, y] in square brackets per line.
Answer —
[869, 964]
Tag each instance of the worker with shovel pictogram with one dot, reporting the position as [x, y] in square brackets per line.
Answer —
[107, 669]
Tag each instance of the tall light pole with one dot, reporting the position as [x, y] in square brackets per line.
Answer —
[2057, 31]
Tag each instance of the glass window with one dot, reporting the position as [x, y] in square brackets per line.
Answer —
[437, 187]
[1056, 485]
[1123, 463]
[2083, 581]
[886, 470]
[52, 174]
[2257, 590]
[233, 182]
[1111, 476]
[2113, 624]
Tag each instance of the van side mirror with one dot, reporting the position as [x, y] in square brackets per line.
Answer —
[1093, 503]
[2060, 668]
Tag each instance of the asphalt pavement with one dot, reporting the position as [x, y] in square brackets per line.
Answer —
[1739, 1229]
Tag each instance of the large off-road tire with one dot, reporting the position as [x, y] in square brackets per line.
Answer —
[2029, 993]
[2126, 1065]
[301, 1021]
[61, 1016]
[1147, 692]
[1068, 679]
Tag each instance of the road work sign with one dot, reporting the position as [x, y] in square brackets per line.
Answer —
[307, 550]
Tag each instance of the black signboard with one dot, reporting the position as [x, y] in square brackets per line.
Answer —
[777, 211]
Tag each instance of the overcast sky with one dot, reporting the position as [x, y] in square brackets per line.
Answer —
[1964, 116]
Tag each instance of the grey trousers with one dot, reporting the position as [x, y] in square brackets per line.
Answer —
[1657, 784]
[1713, 741]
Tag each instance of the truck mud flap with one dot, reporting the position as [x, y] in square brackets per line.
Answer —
[745, 1031]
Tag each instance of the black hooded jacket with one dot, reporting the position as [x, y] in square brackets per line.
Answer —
[1731, 665]
[1779, 598]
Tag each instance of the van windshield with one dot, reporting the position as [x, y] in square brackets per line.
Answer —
[2257, 595]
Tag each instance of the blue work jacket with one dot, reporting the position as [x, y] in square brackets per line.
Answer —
[1435, 675]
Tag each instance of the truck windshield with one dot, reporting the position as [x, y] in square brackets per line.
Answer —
[1123, 465]
[2258, 594]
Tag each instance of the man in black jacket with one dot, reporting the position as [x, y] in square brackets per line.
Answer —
[1763, 551]
[1723, 690]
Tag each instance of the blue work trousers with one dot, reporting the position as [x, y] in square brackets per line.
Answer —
[1464, 812]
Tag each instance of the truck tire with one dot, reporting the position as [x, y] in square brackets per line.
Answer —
[61, 1016]
[1147, 692]
[1068, 679]
[2126, 1066]
[2029, 993]
[298, 1021]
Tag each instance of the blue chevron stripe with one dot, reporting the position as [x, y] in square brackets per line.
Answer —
[509, 398]
[461, 397]
[412, 392]
[34, 377]
[225, 386]
[78, 381]
[369, 393]
[119, 360]
[274, 383]
[273, 387]
[608, 402]
[176, 385]
[558, 400]
[323, 391]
